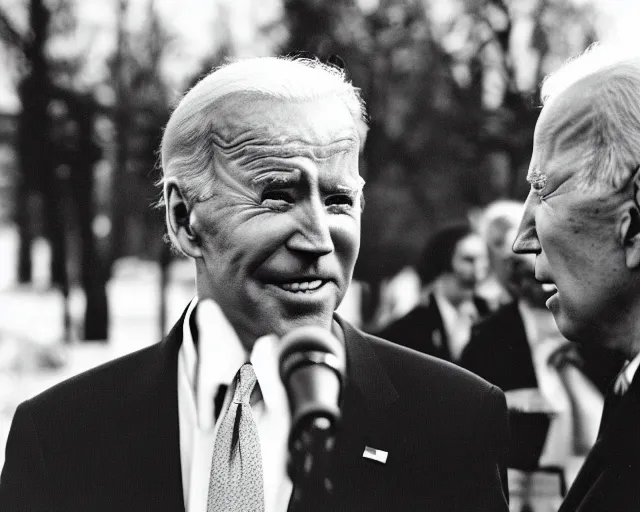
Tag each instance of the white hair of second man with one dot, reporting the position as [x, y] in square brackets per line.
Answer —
[611, 74]
[498, 217]
[186, 149]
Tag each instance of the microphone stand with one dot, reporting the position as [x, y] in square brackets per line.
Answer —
[312, 368]
[310, 449]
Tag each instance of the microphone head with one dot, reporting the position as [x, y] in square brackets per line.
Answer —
[312, 367]
[311, 340]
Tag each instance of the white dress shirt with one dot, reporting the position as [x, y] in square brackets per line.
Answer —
[215, 361]
[631, 368]
[457, 322]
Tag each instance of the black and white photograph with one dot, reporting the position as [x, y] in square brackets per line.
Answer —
[319, 255]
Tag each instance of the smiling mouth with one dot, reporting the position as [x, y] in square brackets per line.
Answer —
[302, 286]
[549, 287]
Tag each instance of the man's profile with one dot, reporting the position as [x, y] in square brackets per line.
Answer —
[582, 221]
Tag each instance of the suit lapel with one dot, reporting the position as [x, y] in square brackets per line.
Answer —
[360, 482]
[618, 433]
[158, 440]
[617, 446]
[365, 371]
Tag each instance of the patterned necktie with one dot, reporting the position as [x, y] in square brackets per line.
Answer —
[236, 481]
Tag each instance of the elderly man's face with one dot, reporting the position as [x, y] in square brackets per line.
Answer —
[281, 234]
[571, 231]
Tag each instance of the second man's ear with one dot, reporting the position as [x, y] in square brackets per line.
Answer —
[630, 235]
[179, 223]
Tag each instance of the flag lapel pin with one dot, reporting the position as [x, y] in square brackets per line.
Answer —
[375, 454]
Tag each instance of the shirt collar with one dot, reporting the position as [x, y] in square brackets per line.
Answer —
[188, 349]
[222, 357]
[210, 364]
[632, 367]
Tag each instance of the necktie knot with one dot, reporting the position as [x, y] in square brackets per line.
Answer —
[245, 384]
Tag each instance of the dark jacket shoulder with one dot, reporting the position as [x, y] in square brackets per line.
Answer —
[111, 381]
[413, 370]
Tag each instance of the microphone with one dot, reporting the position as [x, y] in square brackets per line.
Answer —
[312, 369]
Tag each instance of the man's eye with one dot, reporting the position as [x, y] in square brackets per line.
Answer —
[340, 200]
[277, 195]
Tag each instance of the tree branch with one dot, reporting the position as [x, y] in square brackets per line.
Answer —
[10, 35]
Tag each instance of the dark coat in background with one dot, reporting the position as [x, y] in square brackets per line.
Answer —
[422, 329]
[108, 439]
[499, 352]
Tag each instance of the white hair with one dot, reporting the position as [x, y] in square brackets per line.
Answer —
[497, 219]
[186, 149]
[613, 73]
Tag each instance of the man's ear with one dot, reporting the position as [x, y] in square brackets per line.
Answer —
[179, 224]
[630, 224]
[630, 234]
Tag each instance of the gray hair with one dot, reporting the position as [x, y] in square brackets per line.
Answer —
[186, 149]
[613, 143]
[497, 219]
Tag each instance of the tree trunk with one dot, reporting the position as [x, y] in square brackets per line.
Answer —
[93, 267]
[25, 234]
[96, 315]
[118, 245]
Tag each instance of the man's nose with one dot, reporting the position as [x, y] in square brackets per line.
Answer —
[526, 241]
[313, 234]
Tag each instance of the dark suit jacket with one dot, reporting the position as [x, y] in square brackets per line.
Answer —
[609, 480]
[422, 329]
[108, 439]
[499, 352]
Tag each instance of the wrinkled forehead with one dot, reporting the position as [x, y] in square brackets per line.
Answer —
[567, 122]
[323, 126]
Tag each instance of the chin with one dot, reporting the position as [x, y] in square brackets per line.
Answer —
[572, 330]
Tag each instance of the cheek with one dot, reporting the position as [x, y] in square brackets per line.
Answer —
[345, 234]
[239, 242]
[255, 241]
[587, 260]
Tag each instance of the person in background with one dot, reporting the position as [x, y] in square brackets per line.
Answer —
[262, 192]
[453, 262]
[493, 225]
[582, 223]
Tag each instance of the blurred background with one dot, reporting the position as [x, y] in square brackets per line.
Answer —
[86, 87]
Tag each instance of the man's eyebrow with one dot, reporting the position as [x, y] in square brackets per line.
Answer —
[536, 176]
[276, 177]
